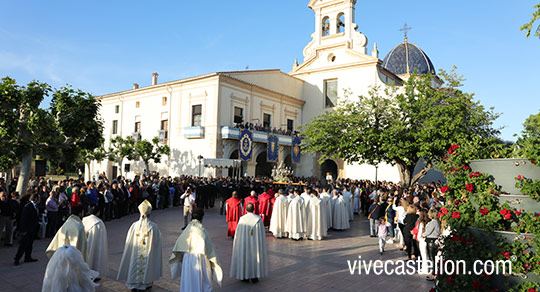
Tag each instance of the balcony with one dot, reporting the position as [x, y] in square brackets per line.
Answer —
[233, 133]
[194, 132]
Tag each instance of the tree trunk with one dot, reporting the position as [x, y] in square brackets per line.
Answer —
[146, 163]
[119, 162]
[22, 183]
[421, 173]
[404, 175]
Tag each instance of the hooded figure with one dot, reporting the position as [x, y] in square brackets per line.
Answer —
[67, 271]
[141, 262]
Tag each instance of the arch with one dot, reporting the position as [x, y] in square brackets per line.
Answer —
[325, 26]
[329, 167]
[263, 167]
[340, 24]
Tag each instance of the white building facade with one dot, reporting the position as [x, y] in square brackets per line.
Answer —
[198, 115]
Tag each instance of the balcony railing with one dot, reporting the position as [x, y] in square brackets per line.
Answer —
[233, 133]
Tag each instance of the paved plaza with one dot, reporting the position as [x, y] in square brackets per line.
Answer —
[304, 265]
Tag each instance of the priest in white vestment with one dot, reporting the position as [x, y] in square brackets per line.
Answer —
[71, 233]
[97, 255]
[278, 221]
[341, 213]
[348, 196]
[67, 272]
[316, 219]
[194, 258]
[327, 204]
[357, 203]
[296, 218]
[141, 262]
[249, 260]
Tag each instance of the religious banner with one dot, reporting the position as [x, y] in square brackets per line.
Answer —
[296, 149]
[245, 146]
[272, 151]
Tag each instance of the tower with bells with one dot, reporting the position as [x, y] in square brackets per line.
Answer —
[335, 28]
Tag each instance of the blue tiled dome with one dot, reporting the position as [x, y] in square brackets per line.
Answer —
[405, 58]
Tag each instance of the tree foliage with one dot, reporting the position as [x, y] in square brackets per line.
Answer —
[400, 125]
[120, 148]
[528, 27]
[529, 141]
[151, 150]
[60, 132]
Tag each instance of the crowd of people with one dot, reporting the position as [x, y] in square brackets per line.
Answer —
[266, 128]
[305, 208]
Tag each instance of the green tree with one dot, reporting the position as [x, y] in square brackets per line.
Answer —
[98, 154]
[529, 141]
[400, 125]
[529, 26]
[151, 150]
[120, 148]
[71, 122]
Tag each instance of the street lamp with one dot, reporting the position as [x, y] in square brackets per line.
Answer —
[200, 157]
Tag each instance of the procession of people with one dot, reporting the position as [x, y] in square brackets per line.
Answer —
[305, 210]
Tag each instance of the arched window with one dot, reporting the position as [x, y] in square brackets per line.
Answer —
[326, 26]
[341, 23]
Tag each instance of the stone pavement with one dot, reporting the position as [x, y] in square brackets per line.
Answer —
[304, 265]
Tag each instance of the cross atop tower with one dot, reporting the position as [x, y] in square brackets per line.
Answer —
[405, 30]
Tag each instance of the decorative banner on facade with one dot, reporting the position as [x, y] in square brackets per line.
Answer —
[245, 146]
[296, 149]
[272, 148]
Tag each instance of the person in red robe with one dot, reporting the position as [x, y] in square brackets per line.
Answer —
[234, 210]
[264, 207]
[252, 199]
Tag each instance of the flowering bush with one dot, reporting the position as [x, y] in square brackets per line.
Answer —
[472, 201]
[529, 187]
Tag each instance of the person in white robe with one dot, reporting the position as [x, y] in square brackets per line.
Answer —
[141, 262]
[249, 259]
[296, 218]
[341, 213]
[194, 258]
[71, 233]
[278, 221]
[68, 272]
[306, 195]
[348, 196]
[290, 197]
[327, 204]
[357, 202]
[97, 255]
[316, 219]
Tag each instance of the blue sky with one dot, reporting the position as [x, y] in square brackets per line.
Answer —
[105, 46]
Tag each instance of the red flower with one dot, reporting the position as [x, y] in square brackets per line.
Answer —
[519, 177]
[445, 157]
[443, 211]
[465, 167]
[470, 188]
[486, 276]
[506, 254]
[452, 149]
[450, 280]
[518, 212]
[445, 189]
[507, 214]
[532, 290]
[484, 211]
[526, 236]
[533, 161]
[454, 169]
[527, 266]
[455, 214]
[475, 174]
[454, 238]
[478, 285]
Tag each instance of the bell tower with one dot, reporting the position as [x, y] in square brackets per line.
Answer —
[334, 28]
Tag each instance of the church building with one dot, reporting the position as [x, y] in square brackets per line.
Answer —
[201, 117]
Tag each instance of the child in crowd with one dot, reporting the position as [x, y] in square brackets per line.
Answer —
[382, 232]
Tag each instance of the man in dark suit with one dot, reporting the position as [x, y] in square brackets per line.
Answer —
[29, 228]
